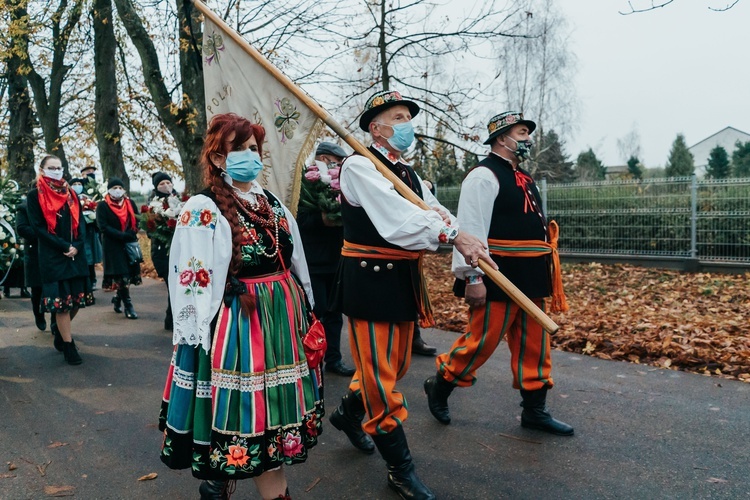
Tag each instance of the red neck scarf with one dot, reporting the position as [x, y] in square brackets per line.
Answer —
[123, 210]
[523, 181]
[53, 195]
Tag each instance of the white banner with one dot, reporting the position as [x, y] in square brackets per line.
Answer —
[234, 82]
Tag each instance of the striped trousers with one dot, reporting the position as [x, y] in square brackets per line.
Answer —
[382, 354]
[529, 346]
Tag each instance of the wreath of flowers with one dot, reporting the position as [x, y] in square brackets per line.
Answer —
[159, 218]
[11, 249]
[321, 190]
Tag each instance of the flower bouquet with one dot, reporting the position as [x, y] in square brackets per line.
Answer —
[159, 218]
[321, 191]
[11, 249]
[93, 193]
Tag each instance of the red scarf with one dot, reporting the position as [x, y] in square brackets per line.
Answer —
[523, 181]
[53, 195]
[123, 211]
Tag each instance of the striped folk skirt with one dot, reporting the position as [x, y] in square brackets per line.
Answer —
[251, 404]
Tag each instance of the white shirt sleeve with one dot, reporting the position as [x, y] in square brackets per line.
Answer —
[432, 201]
[475, 203]
[396, 219]
[299, 263]
[199, 259]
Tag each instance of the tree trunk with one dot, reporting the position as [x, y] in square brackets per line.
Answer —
[21, 119]
[384, 75]
[108, 135]
[186, 122]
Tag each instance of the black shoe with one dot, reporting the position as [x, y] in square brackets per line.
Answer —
[25, 294]
[402, 478]
[58, 340]
[438, 390]
[71, 353]
[117, 303]
[41, 323]
[535, 414]
[168, 324]
[347, 417]
[339, 368]
[213, 490]
[127, 304]
[419, 347]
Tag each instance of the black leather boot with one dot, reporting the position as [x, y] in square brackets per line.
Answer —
[57, 338]
[213, 490]
[536, 416]
[127, 303]
[418, 345]
[438, 390]
[41, 323]
[402, 477]
[347, 417]
[25, 293]
[117, 302]
[71, 353]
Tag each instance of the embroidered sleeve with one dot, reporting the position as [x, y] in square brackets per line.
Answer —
[198, 262]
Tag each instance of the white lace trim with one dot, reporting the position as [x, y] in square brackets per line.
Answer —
[256, 382]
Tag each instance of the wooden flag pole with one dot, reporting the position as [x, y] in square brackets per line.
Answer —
[509, 288]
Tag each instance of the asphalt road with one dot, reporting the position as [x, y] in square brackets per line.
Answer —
[90, 430]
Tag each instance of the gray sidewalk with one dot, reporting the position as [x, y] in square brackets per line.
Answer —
[641, 432]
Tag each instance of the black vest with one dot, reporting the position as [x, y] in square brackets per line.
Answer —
[532, 275]
[376, 289]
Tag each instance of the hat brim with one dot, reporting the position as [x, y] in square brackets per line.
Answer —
[367, 116]
[500, 131]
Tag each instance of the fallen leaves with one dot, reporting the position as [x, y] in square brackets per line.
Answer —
[696, 322]
[59, 491]
[57, 444]
[148, 477]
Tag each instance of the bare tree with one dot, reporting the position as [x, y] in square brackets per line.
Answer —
[653, 5]
[629, 145]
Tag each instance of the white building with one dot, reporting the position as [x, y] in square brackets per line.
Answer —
[726, 138]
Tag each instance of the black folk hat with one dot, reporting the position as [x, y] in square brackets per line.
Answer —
[501, 123]
[379, 102]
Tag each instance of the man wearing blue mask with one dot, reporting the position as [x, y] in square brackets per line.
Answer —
[380, 286]
[500, 201]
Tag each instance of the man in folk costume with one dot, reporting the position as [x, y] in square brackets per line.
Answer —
[500, 201]
[380, 285]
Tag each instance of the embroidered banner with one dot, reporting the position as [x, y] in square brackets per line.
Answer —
[235, 82]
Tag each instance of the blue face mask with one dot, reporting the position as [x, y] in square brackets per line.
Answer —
[77, 188]
[243, 166]
[403, 135]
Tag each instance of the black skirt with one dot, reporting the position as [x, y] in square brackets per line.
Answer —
[65, 295]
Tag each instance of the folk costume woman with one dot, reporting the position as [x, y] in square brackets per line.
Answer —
[163, 189]
[55, 213]
[240, 400]
[115, 216]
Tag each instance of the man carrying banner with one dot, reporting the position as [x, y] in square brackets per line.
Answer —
[380, 286]
[500, 201]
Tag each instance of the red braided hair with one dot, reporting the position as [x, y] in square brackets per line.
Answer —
[218, 143]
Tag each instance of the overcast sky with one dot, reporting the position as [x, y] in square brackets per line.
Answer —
[678, 69]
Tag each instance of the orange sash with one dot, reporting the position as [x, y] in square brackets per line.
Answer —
[426, 318]
[537, 248]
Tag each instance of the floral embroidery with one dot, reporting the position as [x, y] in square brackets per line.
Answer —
[237, 456]
[195, 277]
[198, 218]
[287, 120]
[292, 444]
[447, 233]
[213, 45]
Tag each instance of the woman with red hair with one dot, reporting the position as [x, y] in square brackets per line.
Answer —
[55, 214]
[240, 400]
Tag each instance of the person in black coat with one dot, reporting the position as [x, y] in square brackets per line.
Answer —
[115, 217]
[163, 189]
[32, 275]
[93, 239]
[55, 213]
[322, 239]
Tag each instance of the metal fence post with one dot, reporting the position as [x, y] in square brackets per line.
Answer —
[694, 217]
[544, 196]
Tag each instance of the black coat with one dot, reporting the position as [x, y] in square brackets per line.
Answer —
[159, 250]
[53, 265]
[322, 243]
[114, 239]
[32, 276]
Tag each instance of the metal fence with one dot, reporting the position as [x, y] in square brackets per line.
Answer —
[708, 220]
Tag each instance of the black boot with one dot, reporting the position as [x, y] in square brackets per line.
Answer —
[127, 304]
[25, 293]
[213, 490]
[58, 340]
[71, 353]
[418, 345]
[169, 321]
[536, 416]
[438, 390]
[41, 323]
[117, 302]
[348, 418]
[402, 477]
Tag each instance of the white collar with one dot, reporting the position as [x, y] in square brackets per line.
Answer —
[390, 156]
[255, 188]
